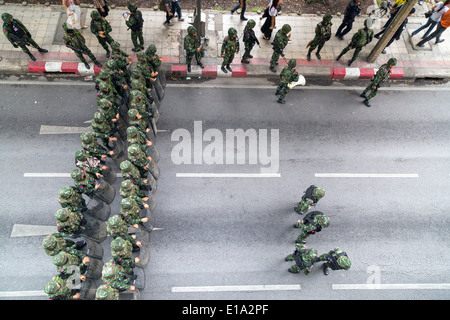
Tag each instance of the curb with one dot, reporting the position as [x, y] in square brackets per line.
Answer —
[66, 67]
[361, 73]
[208, 71]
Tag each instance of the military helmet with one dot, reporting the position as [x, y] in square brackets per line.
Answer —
[135, 93]
[344, 262]
[103, 74]
[117, 245]
[111, 271]
[111, 64]
[105, 292]
[125, 165]
[318, 193]
[132, 7]
[103, 86]
[286, 28]
[135, 83]
[81, 155]
[115, 221]
[368, 23]
[126, 185]
[76, 174]
[95, 15]
[65, 192]
[52, 287]
[392, 61]
[132, 131]
[103, 103]
[132, 113]
[87, 137]
[232, 32]
[126, 203]
[141, 55]
[323, 220]
[292, 63]
[327, 17]
[152, 48]
[62, 214]
[60, 259]
[311, 254]
[115, 45]
[6, 17]
[191, 30]
[49, 242]
[99, 117]
[133, 149]
[251, 24]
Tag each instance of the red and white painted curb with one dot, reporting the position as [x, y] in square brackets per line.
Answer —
[69, 67]
[362, 73]
[208, 71]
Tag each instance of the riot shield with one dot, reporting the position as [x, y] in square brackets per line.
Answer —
[151, 203]
[109, 175]
[122, 130]
[142, 235]
[94, 269]
[139, 283]
[105, 192]
[120, 152]
[144, 256]
[155, 97]
[92, 249]
[88, 290]
[98, 209]
[154, 169]
[154, 153]
[94, 229]
[151, 184]
[162, 77]
[130, 295]
[159, 88]
[143, 213]
[123, 113]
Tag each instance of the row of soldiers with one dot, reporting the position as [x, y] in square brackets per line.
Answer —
[312, 223]
[127, 104]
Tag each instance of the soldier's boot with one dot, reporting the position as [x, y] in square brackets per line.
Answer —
[108, 53]
[223, 69]
[308, 56]
[325, 269]
[293, 269]
[366, 102]
[363, 95]
[42, 50]
[338, 57]
[229, 68]
[98, 64]
[245, 61]
[31, 56]
[350, 62]
[87, 65]
[318, 55]
[189, 67]
[278, 92]
[250, 56]
[272, 68]
[281, 101]
[200, 64]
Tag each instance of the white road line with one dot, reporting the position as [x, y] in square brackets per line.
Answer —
[31, 293]
[28, 230]
[63, 129]
[277, 287]
[366, 175]
[53, 175]
[228, 175]
[393, 286]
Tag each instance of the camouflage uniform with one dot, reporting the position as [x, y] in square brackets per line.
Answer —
[90, 144]
[122, 60]
[312, 223]
[139, 159]
[18, 35]
[135, 136]
[192, 46]
[57, 289]
[75, 39]
[381, 76]
[289, 74]
[335, 260]
[69, 197]
[101, 29]
[118, 80]
[103, 128]
[130, 211]
[104, 76]
[152, 58]
[131, 172]
[304, 259]
[121, 251]
[55, 243]
[84, 181]
[279, 43]
[323, 34]
[68, 222]
[113, 275]
[108, 109]
[64, 260]
[117, 227]
[312, 195]
[230, 46]
[135, 23]
[105, 292]
[249, 40]
[360, 39]
[138, 120]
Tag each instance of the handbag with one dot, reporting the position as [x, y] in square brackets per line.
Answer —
[428, 14]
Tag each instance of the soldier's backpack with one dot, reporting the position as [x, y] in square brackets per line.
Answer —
[139, 20]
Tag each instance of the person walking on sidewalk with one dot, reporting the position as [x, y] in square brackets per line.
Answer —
[437, 11]
[73, 13]
[243, 5]
[360, 39]
[192, 46]
[169, 14]
[323, 34]
[288, 75]
[279, 43]
[441, 27]
[18, 35]
[101, 29]
[351, 11]
[230, 47]
[75, 41]
[102, 7]
[135, 22]
[270, 13]
[249, 40]
[176, 7]
[399, 31]
[381, 76]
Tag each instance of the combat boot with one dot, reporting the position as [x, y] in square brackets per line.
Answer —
[42, 50]
[245, 61]
[223, 69]
[318, 55]
[200, 64]
[31, 56]
[229, 68]
[325, 269]
[87, 65]
[362, 95]
[338, 57]
[308, 56]
[189, 67]
[277, 93]
[366, 102]
[281, 101]
[98, 64]
[272, 68]
[349, 62]
[108, 53]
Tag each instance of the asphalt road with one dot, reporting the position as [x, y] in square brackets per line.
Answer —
[226, 238]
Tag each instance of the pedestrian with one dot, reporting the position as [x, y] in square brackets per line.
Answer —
[381, 76]
[394, 9]
[351, 11]
[288, 75]
[102, 7]
[443, 24]
[311, 196]
[192, 46]
[249, 40]
[360, 39]
[279, 43]
[73, 13]
[135, 22]
[169, 14]
[243, 5]
[335, 260]
[433, 19]
[230, 47]
[18, 35]
[270, 14]
[75, 41]
[176, 7]
[312, 223]
[304, 259]
[101, 29]
[323, 34]
[399, 31]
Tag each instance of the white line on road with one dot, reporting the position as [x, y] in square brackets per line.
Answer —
[366, 175]
[28, 230]
[393, 286]
[53, 175]
[228, 175]
[63, 129]
[277, 287]
[31, 293]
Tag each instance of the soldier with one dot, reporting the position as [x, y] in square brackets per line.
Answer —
[109, 111]
[117, 227]
[114, 276]
[335, 260]
[288, 75]
[360, 39]
[86, 162]
[131, 172]
[304, 259]
[134, 135]
[116, 75]
[123, 60]
[105, 292]
[135, 23]
[69, 197]
[311, 196]
[85, 182]
[103, 76]
[279, 43]
[101, 28]
[249, 40]
[130, 190]
[121, 251]
[69, 222]
[104, 129]
[18, 35]
[66, 263]
[323, 34]
[58, 289]
[193, 47]
[312, 223]
[90, 144]
[130, 212]
[75, 41]
[55, 243]
[381, 76]
[144, 68]
[139, 159]
[230, 47]
[152, 58]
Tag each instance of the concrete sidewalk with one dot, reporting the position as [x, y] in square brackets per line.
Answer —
[44, 23]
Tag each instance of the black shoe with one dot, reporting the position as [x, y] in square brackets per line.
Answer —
[272, 69]
[349, 62]
[32, 57]
[223, 69]
[142, 46]
[442, 40]
[108, 54]
[338, 57]
[42, 50]
[366, 102]
[244, 19]
[250, 56]
[308, 57]
[231, 11]
[383, 52]
[420, 45]
[98, 64]
[325, 270]
[87, 65]
[362, 95]
[341, 38]
[245, 61]
[277, 93]
[200, 64]
[229, 68]
[188, 68]
[298, 211]
[281, 101]
[377, 36]
[318, 56]
[136, 49]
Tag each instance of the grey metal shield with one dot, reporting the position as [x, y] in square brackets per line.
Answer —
[105, 192]
[154, 153]
[142, 235]
[159, 88]
[88, 290]
[98, 209]
[120, 153]
[162, 77]
[109, 175]
[92, 249]
[155, 97]
[130, 295]
[94, 269]
[94, 229]
[154, 169]
[144, 256]
[140, 281]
